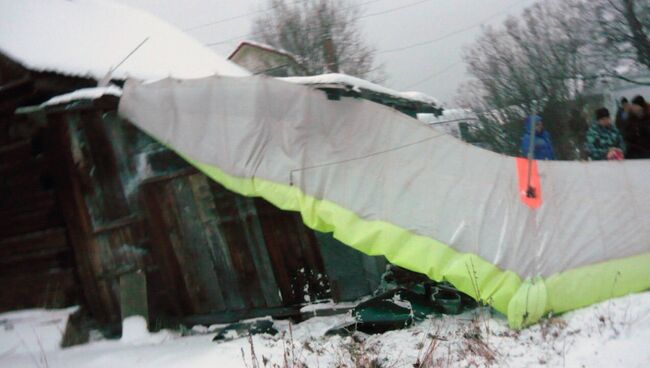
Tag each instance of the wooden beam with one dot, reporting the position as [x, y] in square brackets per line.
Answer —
[110, 201]
[276, 313]
[178, 297]
[119, 223]
[234, 316]
[77, 218]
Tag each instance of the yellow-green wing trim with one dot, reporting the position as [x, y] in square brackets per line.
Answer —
[524, 302]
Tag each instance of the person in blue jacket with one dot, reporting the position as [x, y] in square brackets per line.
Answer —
[543, 147]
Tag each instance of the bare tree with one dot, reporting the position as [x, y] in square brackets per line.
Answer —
[621, 30]
[534, 64]
[324, 34]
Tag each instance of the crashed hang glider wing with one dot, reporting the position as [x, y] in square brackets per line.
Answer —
[385, 184]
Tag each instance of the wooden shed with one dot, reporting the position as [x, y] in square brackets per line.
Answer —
[99, 199]
[87, 199]
[267, 60]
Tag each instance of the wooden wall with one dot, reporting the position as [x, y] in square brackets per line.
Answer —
[131, 204]
[37, 267]
[235, 253]
[86, 198]
[116, 201]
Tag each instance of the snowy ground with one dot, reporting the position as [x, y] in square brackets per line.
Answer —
[612, 334]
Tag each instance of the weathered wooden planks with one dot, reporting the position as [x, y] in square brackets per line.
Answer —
[39, 289]
[36, 261]
[294, 253]
[106, 200]
[98, 296]
[34, 242]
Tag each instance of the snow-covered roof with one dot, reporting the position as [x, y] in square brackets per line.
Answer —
[89, 37]
[84, 94]
[358, 84]
[419, 96]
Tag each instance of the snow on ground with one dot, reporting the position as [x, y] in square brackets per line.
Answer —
[31, 331]
[611, 334]
[90, 37]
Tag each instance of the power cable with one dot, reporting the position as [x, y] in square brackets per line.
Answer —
[458, 31]
[436, 74]
[228, 40]
[360, 17]
[393, 9]
[256, 12]
[235, 17]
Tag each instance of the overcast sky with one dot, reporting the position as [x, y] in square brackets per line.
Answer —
[435, 68]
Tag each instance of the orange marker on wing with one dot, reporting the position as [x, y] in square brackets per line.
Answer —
[530, 189]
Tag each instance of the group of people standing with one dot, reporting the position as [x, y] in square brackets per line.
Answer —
[633, 121]
[627, 137]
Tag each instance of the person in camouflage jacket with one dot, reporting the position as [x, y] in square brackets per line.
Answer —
[604, 141]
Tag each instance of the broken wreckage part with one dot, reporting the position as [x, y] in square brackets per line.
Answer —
[400, 307]
[390, 310]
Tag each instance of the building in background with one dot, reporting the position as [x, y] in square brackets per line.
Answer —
[267, 60]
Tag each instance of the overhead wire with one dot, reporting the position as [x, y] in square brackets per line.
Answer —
[350, 7]
[259, 12]
[456, 63]
[407, 47]
[418, 44]
[436, 74]
[458, 31]
[393, 9]
[245, 15]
